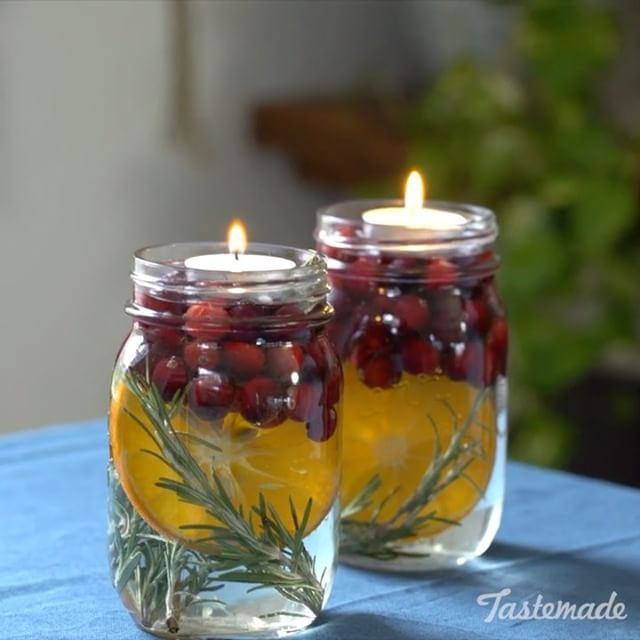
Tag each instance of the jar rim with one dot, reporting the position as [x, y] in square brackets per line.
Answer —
[340, 225]
[162, 268]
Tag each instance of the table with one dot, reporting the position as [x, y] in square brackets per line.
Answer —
[565, 537]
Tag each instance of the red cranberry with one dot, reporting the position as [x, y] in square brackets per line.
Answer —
[201, 355]
[156, 301]
[147, 357]
[169, 376]
[441, 272]
[333, 381]
[412, 311]
[357, 279]
[161, 334]
[261, 402]
[246, 310]
[478, 314]
[377, 339]
[306, 399]
[285, 360]
[211, 396]
[419, 356]
[379, 371]
[447, 316]
[323, 424]
[467, 364]
[243, 359]
[381, 304]
[499, 343]
[318, 348]
[206, 321]
[491, 365]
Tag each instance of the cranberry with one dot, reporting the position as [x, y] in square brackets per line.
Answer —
[154, 301]
[492, 365]
[419, 356]
[161, 334]
[323, 424]
[246, 310]
[261, 402]
[211, 396]
[375, 336]
[381, 304]
[357, 279]
[306, 398]
[333, 381]
[318, 348]
[169, 376]
[201, 355]
[412, 311]
[467, 363]
[441, 272]
[285, 360]
[379, 371]
[243, 359]
[207, 321]
[447, 316]
[499, 343]
[478, 314]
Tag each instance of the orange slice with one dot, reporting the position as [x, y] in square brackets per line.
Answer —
[281, 463]
[389, 432]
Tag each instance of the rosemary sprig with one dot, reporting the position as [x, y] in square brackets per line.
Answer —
[160, 579]
[266, 554]
[380, 539]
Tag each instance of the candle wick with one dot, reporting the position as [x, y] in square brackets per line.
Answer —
[235, 253]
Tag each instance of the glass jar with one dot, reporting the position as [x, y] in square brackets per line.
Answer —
[224, 460]
[422, 335]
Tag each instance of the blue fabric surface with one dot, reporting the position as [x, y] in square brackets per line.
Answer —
[565, 537]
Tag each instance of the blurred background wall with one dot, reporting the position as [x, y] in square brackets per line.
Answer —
[89, 172]
[128, 123]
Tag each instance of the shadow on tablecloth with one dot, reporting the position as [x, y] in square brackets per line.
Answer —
[443, 605]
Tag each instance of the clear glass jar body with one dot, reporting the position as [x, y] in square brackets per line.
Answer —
[224, 458]
[422, 335]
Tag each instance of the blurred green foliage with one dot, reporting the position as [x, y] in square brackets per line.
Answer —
[534, 145]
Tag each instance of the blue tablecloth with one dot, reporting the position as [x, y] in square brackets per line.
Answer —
[564, 537]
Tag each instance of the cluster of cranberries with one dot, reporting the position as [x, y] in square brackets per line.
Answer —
[436, 320]
[227, 362]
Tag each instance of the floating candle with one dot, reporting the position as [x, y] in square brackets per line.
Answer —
[393, 221]
[237, 261]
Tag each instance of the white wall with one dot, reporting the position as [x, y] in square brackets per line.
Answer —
[87, 174]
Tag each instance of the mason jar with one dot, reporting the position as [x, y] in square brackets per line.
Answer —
[422, 336]
[224, 449]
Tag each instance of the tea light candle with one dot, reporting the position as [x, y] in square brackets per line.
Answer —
[395, 222]
[237, 261]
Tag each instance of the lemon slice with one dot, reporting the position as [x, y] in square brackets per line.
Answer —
[391, 433]
[282, 464]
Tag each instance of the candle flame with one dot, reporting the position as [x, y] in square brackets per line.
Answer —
[414, 192]
[237, 237]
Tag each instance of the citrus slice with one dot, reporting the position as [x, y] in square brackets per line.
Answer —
[394, 433]
[281, 463]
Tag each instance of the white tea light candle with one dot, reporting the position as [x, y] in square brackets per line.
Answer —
[237, 261]
[394, 222]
